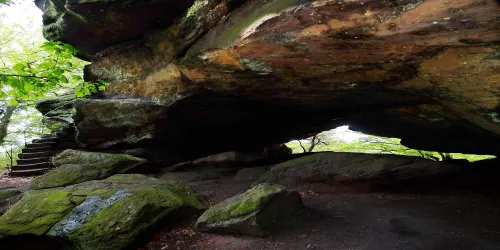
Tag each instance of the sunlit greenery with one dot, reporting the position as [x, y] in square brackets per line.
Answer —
[344, 140]
[25, 125]
[31, 69]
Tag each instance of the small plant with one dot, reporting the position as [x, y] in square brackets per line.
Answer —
[89, 88]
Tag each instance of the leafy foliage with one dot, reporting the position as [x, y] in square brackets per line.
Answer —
[32, 68]
[89, 88]
[344, 140]
[52, 67]
[26, 124]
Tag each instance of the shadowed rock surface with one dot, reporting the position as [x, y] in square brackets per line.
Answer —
[256, 212]
[263, 72]
[333, 167]
[194, 78]
[8, 196]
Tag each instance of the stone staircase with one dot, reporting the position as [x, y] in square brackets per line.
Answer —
[35, 158]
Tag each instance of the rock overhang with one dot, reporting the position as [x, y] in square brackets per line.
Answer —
[423, 71]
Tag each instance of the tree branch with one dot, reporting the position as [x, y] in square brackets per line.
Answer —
[304, 149]
[4, 122]
[14, 75]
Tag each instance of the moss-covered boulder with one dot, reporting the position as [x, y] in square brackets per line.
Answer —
[8, 193]
[258, 211]
[36, 212]
[8, 196]
[115, 217]
[107, 214]
[71, 156]
[375, 169]
[78, 166]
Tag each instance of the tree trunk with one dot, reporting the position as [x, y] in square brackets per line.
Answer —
[4, 122]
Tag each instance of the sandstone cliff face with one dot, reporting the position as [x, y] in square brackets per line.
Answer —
[217, 75]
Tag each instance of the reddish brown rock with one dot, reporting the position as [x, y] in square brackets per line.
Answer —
[261, 72]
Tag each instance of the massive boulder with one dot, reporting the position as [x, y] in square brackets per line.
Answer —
[109, 214]
[8, 193]
[105, 160]
[335, 168]
[228, 158]
[212, 76]
[57, 110]
[258, 211]
[36, 212]
[74, 167]
[8, 196]
[249, 174]
[103, 23]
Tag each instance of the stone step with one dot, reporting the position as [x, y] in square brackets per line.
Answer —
[59, 134]
[29, 172]
[41, 144]
[60, 129]
[36, 155]
[48, 136]
[37, 149]
[32, 166]
[33, 160]
[53, 139]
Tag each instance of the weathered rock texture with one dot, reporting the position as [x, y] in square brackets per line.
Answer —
[352, 167]
[258, 211]
[74, 167]
[58, 110]
[220, 75]
[109, 214]
[8, 197]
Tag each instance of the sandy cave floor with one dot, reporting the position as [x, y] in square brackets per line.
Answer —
[343, 218]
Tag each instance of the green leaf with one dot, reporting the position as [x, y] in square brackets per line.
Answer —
[18, 67]
[19, 85]
[28, 87]
[63, 79]
[2, 95]
[13, 102]
[76, 78]
[57, 72]
[45, 66]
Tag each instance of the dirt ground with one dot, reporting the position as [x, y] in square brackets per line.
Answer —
[21, 183]
[350, 217]
[345, 218]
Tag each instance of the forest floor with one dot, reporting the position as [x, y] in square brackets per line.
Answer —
[21, 183]
[348, 217]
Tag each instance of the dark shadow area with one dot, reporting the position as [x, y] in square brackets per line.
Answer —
[30, 242]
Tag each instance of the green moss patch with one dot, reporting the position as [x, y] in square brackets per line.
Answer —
[99, 214]
[118, 221]
[66, 175]
[8, 193]
[78, 166]
[104, 159]
[36, 212]
[255, 212]
[242, 204]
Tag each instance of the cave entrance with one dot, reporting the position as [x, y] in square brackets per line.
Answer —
[342, 139]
